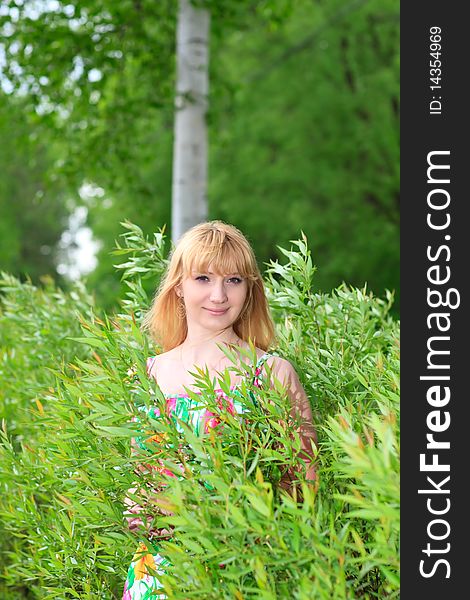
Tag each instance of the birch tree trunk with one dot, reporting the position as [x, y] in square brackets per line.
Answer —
[189, 190]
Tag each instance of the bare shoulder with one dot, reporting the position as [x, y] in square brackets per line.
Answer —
[282, 368]
[284, 372]
[159, 363]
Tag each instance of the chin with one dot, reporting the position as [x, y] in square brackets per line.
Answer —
[218, 323]
[215, 323]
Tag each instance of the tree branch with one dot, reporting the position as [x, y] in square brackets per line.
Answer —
[308, 41]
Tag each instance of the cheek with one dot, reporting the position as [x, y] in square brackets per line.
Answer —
[192, 293]
[195, 298]
[240, 295]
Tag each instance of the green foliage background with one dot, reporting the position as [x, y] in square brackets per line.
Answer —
[33, 202]
[67, 400]
[303, 128]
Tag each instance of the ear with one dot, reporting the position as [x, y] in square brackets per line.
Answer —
[178, 291]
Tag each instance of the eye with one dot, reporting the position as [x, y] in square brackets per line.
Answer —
[202, 278]
[235, 280]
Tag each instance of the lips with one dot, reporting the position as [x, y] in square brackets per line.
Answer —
[216, 312]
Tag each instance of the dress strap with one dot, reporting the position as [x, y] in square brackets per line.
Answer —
[259, 368]
[149, 364]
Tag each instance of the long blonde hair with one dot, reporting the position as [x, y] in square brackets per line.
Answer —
[227, 250]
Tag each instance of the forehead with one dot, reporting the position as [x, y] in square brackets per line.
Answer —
[211, 270]
[223, 260]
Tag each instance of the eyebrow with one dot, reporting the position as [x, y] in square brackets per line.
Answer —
[203, 272]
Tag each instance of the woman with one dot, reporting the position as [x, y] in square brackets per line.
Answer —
[212, 295]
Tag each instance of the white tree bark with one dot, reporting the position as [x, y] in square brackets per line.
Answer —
[189, 193]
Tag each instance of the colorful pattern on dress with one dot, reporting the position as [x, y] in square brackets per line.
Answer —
[142, 578]
[142, 581]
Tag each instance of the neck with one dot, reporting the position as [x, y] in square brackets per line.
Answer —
[205, 340]
[203, 349]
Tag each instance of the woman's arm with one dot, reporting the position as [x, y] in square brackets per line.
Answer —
[301, 413]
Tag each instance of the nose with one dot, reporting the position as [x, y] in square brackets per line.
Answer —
[218, 293]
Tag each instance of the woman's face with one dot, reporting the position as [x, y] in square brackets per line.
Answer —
[213, 301]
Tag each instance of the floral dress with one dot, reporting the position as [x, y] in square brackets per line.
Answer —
[148, 564]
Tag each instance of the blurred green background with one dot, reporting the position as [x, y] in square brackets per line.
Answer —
[303, 132]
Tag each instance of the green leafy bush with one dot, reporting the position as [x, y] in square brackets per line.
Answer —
[69, 399]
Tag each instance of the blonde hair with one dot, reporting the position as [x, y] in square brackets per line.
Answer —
[227, 250]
